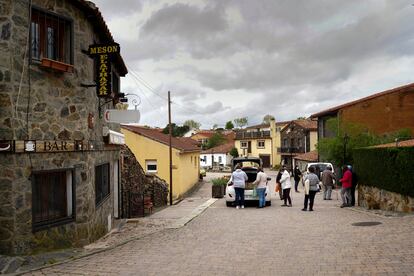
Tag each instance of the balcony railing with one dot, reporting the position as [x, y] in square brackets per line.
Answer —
[291, 150]
[252, 135]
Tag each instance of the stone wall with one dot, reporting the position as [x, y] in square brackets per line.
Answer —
[135, 181]
[42, 104]
[374, 198]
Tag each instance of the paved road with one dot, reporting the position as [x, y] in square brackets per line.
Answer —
[271, 241]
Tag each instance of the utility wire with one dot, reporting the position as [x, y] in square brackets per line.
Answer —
[152, 90]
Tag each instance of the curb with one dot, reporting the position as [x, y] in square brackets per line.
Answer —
[195, 213]
[176, 225]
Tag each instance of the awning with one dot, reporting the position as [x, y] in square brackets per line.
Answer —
[113, 137]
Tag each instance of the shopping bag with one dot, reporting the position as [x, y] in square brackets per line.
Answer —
[254, 192]
[277, 188]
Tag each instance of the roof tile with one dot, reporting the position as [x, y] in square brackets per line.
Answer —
[182, 143]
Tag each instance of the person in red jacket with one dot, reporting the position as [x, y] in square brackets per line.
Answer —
[346, 181]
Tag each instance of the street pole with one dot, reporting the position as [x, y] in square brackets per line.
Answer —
[345, 142]
[170, 145]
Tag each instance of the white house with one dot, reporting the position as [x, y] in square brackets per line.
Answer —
[217, 156]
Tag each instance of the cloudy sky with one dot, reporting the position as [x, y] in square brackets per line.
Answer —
[224, 59]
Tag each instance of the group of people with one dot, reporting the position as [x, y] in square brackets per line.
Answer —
[310, 183]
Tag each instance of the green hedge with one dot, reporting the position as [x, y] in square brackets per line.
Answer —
[391, 169]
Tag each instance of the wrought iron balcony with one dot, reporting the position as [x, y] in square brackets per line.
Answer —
[292, 150]
[252, 134]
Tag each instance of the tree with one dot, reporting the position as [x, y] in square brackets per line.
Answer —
[215, 140]
[340, 147]
[192, 124]
[233, 152]
[267, 118]
[215, 126]
[241, 122]
[301, 118]
[177, 131]
[229, 125]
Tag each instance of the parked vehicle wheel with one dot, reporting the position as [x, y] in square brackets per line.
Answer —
[268, 203]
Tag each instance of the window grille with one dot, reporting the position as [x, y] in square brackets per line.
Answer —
[51, 37]
[102, 183]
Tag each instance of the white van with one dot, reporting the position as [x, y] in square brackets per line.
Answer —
[319, 168]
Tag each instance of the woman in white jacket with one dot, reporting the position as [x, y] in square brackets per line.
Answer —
[286, 186]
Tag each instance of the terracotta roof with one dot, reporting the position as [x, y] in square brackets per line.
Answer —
[282, 123]
[228, 134]
[335, 109]
[258, 126]
[96, 19]
[307, 124]
[181, 143]
[189, 140]
[220, 149]
[308, 156]
[406, 143]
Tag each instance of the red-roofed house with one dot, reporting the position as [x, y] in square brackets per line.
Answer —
[380, 113]
[260, 141]
[217, 156]
[151, 148]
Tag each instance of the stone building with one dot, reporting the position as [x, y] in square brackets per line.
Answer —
[297, 137]
[59, 175]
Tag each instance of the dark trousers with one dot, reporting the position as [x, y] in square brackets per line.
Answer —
[311, 198]
[286, 196]
[239, 196]
[281, 192]
[353, 195]
[296, 184]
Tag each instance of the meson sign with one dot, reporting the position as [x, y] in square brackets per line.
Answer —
[100, 49]
[103, 55]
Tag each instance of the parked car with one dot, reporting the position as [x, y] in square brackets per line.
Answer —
[250, 166]
[202, 173]
[319, 168]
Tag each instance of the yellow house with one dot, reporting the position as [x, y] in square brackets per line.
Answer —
[150, 147]
[261, 141]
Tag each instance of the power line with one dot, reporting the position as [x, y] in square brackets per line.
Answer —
[152, 90]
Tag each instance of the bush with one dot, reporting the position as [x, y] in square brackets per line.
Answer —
[219, 181]
[390, 169]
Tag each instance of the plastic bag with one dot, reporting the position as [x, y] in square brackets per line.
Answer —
[254, 194]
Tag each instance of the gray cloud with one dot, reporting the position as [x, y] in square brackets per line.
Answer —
[291, 58]
[111, 8]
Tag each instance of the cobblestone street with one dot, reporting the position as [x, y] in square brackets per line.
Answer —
[271, 241]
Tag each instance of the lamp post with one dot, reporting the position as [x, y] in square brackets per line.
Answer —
[346, 139]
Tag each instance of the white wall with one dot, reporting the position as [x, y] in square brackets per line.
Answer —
[206, 159]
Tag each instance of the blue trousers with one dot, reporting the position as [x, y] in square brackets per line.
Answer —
[239, 196]
[261, 193]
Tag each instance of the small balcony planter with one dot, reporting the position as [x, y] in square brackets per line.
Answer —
[56, 65]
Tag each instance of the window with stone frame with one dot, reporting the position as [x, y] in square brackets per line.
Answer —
[53, 198]
[102, 183]
[51, 37]
[243, 145]
[260, 144]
